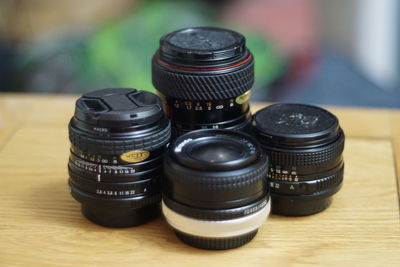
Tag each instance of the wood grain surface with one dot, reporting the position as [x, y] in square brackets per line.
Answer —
[41, 225]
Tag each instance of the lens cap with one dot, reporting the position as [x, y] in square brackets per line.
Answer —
[203, 44]
[293, 124]
[119, 108]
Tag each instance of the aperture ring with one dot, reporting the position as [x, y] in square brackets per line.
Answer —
[116, 147]
[217, 214]
[306, 187]
[113, 202]
[126, 189]
[200, 86]
[290, 158]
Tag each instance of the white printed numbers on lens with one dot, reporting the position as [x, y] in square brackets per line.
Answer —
[116, 193]
[219, 107]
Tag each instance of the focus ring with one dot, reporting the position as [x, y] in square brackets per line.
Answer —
[216, 243]
[212, 183]
[306, 158]
[202, 86]
[117, 147]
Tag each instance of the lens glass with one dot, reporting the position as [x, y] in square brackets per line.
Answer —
[213, 151]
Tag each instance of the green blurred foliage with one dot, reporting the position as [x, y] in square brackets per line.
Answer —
[118, 53]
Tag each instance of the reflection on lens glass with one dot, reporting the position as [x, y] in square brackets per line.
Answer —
[216, 152]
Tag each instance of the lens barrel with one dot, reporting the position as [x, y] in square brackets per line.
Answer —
[304, 144]
[204, 76]
[215, 194]
[118, 137]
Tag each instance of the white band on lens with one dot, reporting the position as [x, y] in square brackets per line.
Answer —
[223, 228]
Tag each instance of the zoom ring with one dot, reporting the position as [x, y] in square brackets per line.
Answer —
[207, 183]
[203, 87]
[306, 158]
[117, 147]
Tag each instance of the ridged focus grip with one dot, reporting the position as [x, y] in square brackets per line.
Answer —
[216, 243]
[215, 183]
[325, 154]
[116, 147]
[202, 85]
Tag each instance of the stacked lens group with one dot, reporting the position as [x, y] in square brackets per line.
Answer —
[118, 137]
[224, 170]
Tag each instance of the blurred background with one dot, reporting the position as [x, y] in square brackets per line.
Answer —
[342, 52]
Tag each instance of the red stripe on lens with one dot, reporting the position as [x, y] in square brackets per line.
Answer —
[202, 69]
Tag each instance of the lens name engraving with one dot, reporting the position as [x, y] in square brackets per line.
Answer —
[256, 208]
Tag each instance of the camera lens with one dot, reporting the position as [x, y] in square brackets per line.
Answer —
[215, 194]
[118, 137]
[304, 145]
[204, 76]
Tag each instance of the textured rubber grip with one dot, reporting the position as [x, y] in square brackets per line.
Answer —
[216, 183]
[117, 147]
[306, 158]
[202, 86]
[216, 243]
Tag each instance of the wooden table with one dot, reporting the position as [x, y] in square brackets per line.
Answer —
[40, 223]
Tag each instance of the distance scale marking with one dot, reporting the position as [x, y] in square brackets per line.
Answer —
[103, 169]
[276, 173]
[202, 105]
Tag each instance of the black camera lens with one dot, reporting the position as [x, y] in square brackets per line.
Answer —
[215, 193]
[118, 137]
[204, 76]
[304, 144]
